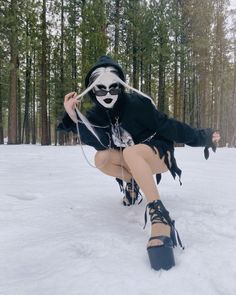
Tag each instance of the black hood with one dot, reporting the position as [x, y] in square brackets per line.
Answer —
[104, 61]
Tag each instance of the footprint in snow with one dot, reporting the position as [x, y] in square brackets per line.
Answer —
[23, 196]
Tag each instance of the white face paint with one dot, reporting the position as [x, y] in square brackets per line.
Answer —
[107, 83]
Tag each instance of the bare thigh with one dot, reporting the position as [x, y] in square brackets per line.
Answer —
[111, 156]
[156, 163]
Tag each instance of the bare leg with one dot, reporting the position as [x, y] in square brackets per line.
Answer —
[143, 163]
[111, 162]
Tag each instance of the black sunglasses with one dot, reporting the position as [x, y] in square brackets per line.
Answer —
[103, 92]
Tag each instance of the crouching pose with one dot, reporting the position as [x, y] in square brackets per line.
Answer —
[134, 141]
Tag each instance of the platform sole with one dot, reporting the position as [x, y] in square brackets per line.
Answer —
[161, 257]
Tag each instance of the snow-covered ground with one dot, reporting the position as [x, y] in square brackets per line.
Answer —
[63, 230]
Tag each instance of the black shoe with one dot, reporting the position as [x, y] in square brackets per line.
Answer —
[132, 194]
[162, 256]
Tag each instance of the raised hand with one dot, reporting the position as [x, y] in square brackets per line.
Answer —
[70, 102]
[215, 137]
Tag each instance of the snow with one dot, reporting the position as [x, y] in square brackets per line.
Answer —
[64, 231]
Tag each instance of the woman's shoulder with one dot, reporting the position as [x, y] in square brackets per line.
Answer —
[138, 101]
[136, 97]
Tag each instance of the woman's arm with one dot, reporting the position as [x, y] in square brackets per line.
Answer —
[175, 130]
[70, 120]
[70, 102]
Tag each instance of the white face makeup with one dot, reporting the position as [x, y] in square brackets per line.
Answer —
[107, 89]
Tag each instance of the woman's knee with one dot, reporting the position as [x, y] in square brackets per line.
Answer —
[101, 158]
[128, 151]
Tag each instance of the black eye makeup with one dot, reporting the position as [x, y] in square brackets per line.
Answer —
[100, 86]
[114, 85]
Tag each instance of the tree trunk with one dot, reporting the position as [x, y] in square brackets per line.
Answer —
[176, 56]
[83, 42]
[142, 73]
[43, 86]
[175, 96]
[18, 107]
[1, 112]
[161, 79]
[74, 56]
[117, 27]
[26, 122]
[149, 87]
[49, 97]
[135, 60]
[134, 31]
[233, 119]
[182, 77]
[33, 120]
[12, 108]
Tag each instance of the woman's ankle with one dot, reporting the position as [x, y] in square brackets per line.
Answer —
[160, 229]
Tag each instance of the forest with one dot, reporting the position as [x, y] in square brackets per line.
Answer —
[180, 52]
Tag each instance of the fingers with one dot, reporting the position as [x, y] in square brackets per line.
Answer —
[69, 104]
[216, 137]
[69, 96]
[70, 101]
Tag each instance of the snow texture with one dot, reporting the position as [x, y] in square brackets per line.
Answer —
[64, 231]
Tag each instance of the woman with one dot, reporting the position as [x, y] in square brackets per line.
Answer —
[134, 141]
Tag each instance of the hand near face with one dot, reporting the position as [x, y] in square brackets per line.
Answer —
[70, 102]
[215, 137]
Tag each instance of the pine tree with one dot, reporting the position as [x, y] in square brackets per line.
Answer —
[93, 34]
[13, 41]
[43, 83]
[1, 104]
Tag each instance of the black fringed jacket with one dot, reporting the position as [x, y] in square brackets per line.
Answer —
[137, 115]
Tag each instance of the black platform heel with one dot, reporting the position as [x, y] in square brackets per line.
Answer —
[162, 256]
[132, 194]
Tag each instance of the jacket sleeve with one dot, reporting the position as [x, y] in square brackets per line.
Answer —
[86, 137]
[175, 130]
[67, 124]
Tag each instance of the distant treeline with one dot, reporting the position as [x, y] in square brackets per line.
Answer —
[181, 52]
